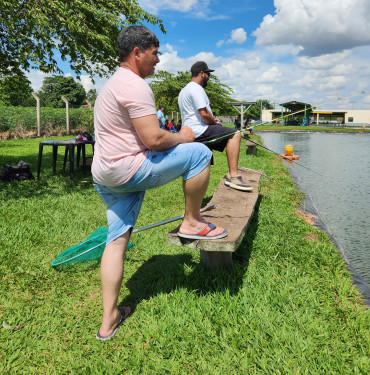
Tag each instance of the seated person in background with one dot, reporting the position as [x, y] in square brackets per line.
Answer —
[171, 127]
[197, 115]
[178, 125]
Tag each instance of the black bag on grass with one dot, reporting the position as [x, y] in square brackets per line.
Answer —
[20, 171]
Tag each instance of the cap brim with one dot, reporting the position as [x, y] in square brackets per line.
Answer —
[208, 71]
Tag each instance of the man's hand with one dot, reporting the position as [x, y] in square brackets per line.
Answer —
[207, 117]
[188, 134]
[155, 138]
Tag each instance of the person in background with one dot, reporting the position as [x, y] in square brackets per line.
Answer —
[197, 115]
[132, 155]
[171, 126]
[178, 125]
[237, 123]
[160, 116]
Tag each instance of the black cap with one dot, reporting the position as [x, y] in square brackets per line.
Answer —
[200, 66]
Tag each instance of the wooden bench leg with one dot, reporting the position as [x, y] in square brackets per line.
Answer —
[216, 258]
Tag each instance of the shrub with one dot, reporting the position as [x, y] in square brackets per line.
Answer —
[12, 118]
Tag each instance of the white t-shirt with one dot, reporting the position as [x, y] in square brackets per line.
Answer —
[119, 152]
[192, 98]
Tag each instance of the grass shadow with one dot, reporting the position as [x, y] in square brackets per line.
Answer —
[166, 273]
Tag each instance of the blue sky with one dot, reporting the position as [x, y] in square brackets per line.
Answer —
[308, 50]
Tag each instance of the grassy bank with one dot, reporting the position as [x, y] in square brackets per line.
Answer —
[286, 306]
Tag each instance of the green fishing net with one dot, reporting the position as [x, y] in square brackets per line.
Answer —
[90, 249]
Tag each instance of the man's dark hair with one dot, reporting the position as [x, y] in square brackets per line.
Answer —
[135, 36]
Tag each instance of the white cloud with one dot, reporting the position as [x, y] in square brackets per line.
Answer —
[257, 75]
[36, 77]
[194, 8]
[184, 6]
[171, 62]
[318, 26]
[86, 82]
[324, 61]
[273, 75]
[238, 36]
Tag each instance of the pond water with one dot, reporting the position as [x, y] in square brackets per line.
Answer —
[342, 192]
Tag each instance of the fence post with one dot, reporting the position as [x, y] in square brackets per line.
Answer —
[89, 104]
[38, 113]
[67, 112]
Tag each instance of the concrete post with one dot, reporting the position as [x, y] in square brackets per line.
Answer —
[67, 112]
[38, 113]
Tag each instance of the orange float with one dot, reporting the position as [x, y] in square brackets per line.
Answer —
[289, 153]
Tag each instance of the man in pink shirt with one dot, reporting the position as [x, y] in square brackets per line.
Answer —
[132, 155]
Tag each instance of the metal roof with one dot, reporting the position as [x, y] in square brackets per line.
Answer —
[295, 106]
[243, 103]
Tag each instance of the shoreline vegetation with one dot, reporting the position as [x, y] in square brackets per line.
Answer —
[287, 304]
[312, 128]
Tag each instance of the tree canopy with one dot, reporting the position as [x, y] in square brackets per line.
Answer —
[83, 31]
[15, 90]
[54, 87]
[167, 86]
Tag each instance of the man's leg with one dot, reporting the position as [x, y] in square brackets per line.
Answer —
[111, 273]
[226, 138]
[232, 153]
[194, 191]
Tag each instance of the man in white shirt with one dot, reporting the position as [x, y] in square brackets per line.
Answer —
[196, 114]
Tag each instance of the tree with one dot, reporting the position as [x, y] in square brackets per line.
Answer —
[167, 86]
[54, 87]
[15, 90]
[83, 31]
[254, 112]
[91, 96]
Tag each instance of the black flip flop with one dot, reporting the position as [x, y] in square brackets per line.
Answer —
[121, 321]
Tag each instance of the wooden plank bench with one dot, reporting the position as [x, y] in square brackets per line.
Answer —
[233, 212]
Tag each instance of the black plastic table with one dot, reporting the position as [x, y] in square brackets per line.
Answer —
[69, 145]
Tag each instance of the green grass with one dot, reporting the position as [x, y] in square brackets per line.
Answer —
[287, 305]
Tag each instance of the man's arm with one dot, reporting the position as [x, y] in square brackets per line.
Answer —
[158, 139]
[207, 117]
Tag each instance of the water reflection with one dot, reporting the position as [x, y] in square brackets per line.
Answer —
[342, 193]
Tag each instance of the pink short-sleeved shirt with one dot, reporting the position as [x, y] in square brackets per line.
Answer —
[119, 152]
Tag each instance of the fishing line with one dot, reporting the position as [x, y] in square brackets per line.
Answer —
[282, 156]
